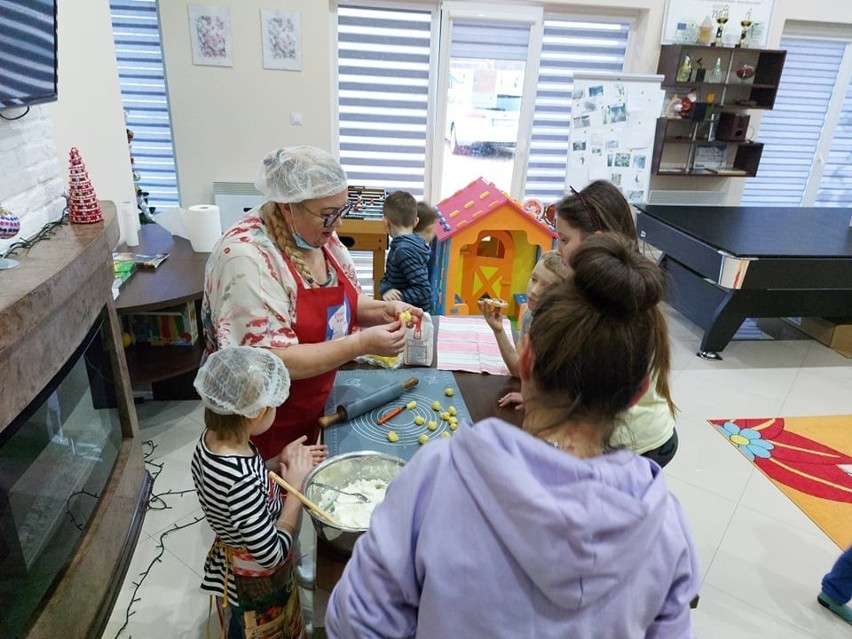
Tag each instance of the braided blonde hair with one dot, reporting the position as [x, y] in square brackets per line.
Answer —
[280, 234]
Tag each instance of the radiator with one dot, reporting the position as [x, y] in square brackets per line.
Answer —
[235, 198]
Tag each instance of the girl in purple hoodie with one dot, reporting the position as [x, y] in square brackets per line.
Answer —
[544, 531]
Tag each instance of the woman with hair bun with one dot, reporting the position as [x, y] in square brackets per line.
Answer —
[562, 535]
[648, 427]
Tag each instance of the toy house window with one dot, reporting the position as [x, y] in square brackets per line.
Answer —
[811, 120]
[490, 247]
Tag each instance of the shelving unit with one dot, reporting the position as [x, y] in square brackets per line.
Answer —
[694, 147]
[167, 371]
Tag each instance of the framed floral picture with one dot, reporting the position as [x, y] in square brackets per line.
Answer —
[281, 34]
[210, 35]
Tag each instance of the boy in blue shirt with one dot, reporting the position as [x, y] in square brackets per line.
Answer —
[407, 268]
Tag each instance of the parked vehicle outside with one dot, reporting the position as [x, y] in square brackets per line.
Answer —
[482, 129]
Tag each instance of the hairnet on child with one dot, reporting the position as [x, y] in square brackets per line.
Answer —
[242, 380]
[299, 173]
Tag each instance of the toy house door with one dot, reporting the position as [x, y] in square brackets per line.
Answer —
[487, 268]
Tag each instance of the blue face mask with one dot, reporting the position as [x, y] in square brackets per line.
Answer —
[301, 242]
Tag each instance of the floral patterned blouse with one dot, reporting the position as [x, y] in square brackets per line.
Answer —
[250, 294]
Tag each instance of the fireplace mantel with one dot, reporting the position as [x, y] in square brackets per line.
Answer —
[62, 286]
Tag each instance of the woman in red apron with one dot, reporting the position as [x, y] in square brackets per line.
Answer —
[281, 279]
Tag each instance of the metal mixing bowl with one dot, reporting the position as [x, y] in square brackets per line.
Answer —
[339, 471]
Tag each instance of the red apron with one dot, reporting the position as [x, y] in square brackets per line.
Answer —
[319, 311]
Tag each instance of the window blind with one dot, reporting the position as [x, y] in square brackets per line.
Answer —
[568, 45]
[383, 93]
[136, 30]
[791, 131]
[835, 188]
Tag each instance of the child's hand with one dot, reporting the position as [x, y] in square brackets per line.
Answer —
[319, 453]
[287, 451]
[493, 315]
[511, 398]
[300, 461]
[393, 295]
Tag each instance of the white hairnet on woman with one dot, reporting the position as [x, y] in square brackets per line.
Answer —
[299, 173]
[242, 380]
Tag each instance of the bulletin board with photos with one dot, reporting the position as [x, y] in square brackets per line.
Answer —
[612, 131]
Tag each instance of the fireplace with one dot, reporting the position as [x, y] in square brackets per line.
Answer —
[73, 485]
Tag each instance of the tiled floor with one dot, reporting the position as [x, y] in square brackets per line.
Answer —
[762, 558]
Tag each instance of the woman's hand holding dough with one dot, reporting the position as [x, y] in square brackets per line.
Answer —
[386, 340]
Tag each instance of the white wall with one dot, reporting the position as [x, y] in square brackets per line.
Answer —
[89, 113]
[226, 119]
[30, 183]
[34, 150]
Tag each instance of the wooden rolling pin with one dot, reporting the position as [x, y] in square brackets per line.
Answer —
[375, 399]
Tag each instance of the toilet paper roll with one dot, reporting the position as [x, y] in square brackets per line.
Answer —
[131, 224]
[203, 225]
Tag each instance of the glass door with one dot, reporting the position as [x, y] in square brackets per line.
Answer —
[486, 92]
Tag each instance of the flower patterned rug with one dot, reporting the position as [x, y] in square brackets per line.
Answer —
[808, 458]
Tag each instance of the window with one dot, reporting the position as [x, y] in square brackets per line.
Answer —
[387, 94]
[136, 30]
[835, 188]
[383, 92]
[808, 134]
[568, 45]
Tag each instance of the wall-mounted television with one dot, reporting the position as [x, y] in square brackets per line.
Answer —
[28, 66]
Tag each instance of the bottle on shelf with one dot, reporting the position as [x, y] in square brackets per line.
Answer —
[705, 31]
[685, 70]
[715, 74]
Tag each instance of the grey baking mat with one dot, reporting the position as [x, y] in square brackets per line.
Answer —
[363, 433]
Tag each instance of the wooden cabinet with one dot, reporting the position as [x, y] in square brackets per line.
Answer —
[714, 139]
[167, 371]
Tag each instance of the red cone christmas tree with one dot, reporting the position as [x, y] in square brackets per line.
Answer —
[83, 205]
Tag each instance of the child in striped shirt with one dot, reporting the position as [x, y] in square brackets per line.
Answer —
[249, 568]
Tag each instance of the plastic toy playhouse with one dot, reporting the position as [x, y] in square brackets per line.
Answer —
[487, 246]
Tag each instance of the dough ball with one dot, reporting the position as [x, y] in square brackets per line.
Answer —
[445, 434]
[445, 416]
[432, 425]
[392, 436]
[453, 420]
[419, 420]
[423, 438]
[453, 425]
[436, 405]
[411, 405]
[452, 410]
[405, 317]
[449, 392]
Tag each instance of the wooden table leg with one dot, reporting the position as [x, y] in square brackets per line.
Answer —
[378, 271]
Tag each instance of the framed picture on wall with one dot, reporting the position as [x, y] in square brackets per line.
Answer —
[210, 35]
[281, 34]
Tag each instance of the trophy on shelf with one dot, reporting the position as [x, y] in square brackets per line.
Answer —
[721, 16]
[745, 23]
